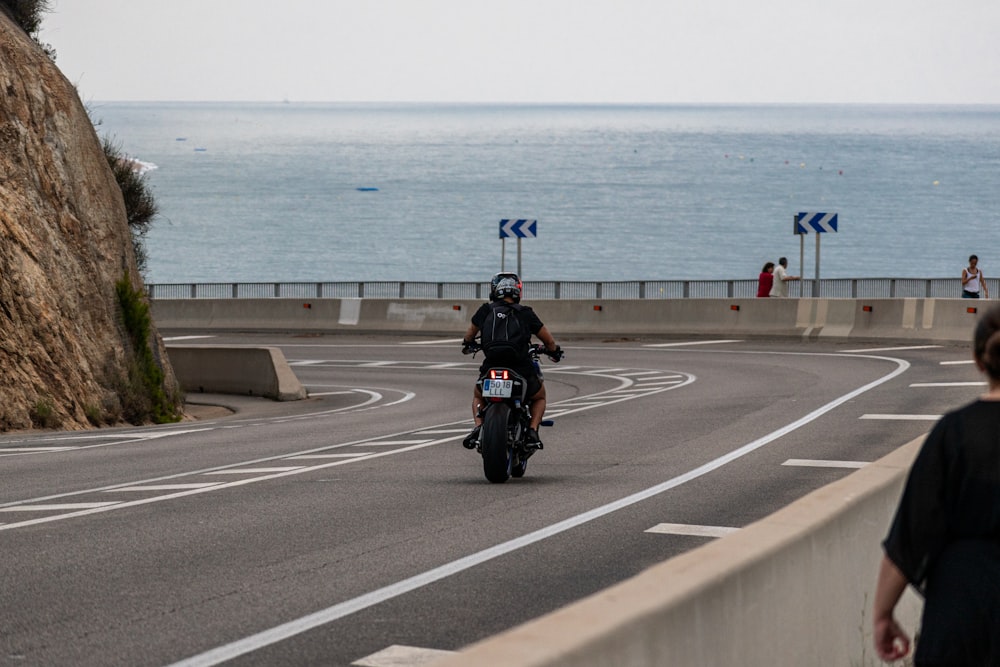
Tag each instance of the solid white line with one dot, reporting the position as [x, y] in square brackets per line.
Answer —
[692, 342]
[820, 463]
[432, 342]
[686, 529]
[173, 338]
[892, 349]
[163, 487]
[902, 417]
[57, 507]
[306, 362]
[948, 384]
[290, 629]
[402, 656]
[955, 363]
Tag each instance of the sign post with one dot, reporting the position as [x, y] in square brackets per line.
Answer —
[820, 223]
[519, 229]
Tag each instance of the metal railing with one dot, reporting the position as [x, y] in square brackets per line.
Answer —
[846, 288]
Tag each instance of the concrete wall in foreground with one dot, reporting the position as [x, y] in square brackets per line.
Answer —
[795, 588]
[917, 319]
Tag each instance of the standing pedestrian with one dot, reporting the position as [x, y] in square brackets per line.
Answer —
[973, 281]
[765, 280]
[945, 537]
[781, 278]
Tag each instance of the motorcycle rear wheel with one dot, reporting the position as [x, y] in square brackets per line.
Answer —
[495, 446]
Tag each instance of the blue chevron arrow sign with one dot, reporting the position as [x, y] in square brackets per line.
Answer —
[521, 229]
[815, 222]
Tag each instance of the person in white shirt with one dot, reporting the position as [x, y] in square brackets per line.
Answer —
[973, 281]
[781, 278]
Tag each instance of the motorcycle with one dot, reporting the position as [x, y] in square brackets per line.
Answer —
[506, 416]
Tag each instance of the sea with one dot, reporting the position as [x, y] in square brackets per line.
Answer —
[289, 191]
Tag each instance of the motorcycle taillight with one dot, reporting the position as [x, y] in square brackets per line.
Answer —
[499, 374]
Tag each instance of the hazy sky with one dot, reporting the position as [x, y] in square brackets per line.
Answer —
[907, 51]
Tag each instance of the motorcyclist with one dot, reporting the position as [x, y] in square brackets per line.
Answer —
[506, 288]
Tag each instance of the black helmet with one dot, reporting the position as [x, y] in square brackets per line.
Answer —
[495, 283]
[508, 287]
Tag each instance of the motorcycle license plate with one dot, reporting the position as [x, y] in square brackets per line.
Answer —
[498, 388]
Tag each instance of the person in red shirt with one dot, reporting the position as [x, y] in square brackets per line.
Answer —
[766, 280]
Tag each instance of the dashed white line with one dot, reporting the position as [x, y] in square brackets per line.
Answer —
[163, 487]
[948, 384]
[57, 507]
[957, 363]
[892, 349]
[402, 656]
[386, 443]
[253, 471]
[688, 529]
[821, 463]
[902, 417]
[303, 457]
[692, 342]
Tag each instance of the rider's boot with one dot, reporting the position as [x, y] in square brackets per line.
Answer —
[531, 440]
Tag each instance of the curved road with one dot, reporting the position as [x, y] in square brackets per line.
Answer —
[353, 529]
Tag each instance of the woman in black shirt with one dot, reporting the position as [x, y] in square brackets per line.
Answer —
[945, 538]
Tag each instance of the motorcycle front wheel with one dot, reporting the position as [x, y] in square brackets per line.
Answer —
[495, 446]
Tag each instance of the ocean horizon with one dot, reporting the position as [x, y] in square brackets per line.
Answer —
[285, 192]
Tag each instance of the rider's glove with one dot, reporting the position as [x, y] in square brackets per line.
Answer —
[556, 355]
[468, 347]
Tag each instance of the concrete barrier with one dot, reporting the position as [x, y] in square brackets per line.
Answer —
[939, 320]
[795, 588]
[253, 371]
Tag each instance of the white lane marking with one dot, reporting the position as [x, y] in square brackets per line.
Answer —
[14, 450]
[163, 487]
[902, 417]
[306, 362]
[955, 363]
[380, 443]
[892, 349]
[948, 384]
[821, 463]
[608, 397]
[402, 656]
[687, 529]
[173, 338]
[638, 373]
[441, 431]
[58, 507]
[190, 492]
[444, 341]
[377, 364]
[248, 471]
[444, 365]
[316, 619]
[314, 394]
[303, 457]
[692, 342]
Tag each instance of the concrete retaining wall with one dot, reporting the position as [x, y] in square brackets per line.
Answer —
[250, 371]
[795, 588]
[917, 319]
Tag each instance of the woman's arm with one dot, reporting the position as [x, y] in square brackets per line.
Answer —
[891, 642]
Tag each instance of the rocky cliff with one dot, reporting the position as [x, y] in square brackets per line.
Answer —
[65, 356]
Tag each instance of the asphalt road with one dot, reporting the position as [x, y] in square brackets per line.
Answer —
[353, 528]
